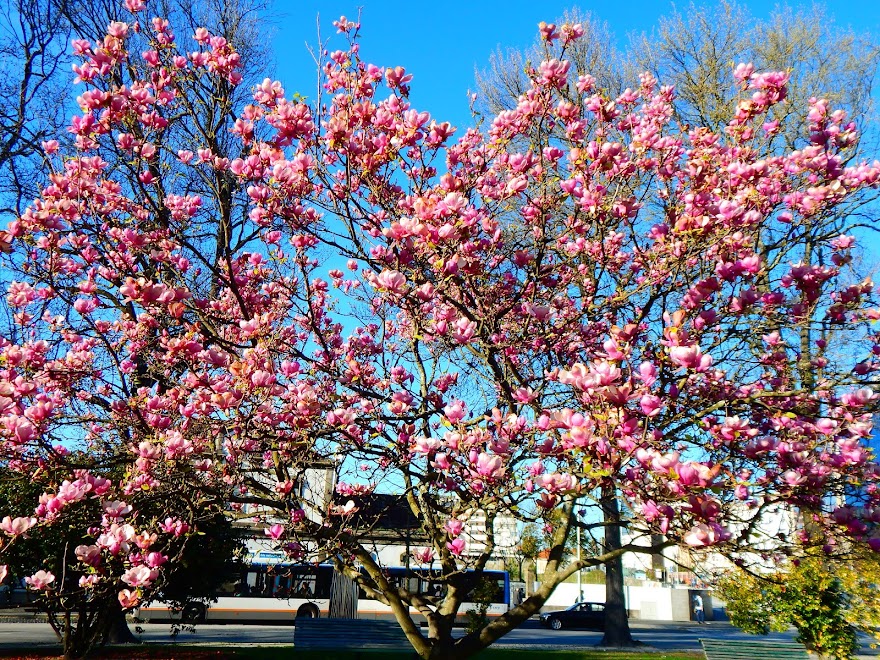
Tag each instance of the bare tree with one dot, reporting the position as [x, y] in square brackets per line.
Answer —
[506, 78]
[697, 50]
[33, 93]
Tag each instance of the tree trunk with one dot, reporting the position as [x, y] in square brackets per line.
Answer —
[617, 631]
[117, 630]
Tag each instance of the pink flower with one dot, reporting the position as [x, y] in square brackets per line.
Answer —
[457, 546]
[174, 526]
[463, 330]
[116, 509]
[155, 559]
[343, 510]
[262, 379]
[517, 185]
[547, 500]
[145, 539]
[88, 554]
[40, 580]
[490, 466]
[89, 581]
[391, 281]
[441, 462]
[548, 31]
[455, 411]
[554, 72]
[275, 532]
[423, 555]
[397, 77]
[703, 534]
[743, 71]
[690, 357]
[295, 550]
[17, 526]
[453, 527]
[843, 242]
[117, 29]
[651, 405]
[793, 478]
[826, 426]
[139, 576]
[128, 599]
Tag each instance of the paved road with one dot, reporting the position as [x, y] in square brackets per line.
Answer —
[662, 635]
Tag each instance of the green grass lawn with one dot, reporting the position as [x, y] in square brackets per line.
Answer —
[189, 652]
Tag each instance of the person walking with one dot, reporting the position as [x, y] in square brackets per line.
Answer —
[698, 609]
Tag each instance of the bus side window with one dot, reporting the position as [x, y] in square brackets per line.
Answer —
[243, 585]
[256, 582]
[498, 597]
[433, 589]
[269, 587]
[283, 586]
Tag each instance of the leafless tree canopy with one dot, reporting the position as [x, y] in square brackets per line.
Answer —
[595, 54]
[36, 95]
[33, 92]
[696, 50]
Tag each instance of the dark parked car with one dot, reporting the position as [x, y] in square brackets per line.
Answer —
[579, 615]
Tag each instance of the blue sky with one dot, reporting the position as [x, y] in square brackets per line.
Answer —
[441, 43]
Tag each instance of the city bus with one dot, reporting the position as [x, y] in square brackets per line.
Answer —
[277, 592]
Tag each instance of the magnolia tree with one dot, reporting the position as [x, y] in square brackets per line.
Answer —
[582, 303]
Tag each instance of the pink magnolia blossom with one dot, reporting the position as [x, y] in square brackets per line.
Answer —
[128, 598]
[17, 526]
[40, 580]
[706, 534]
[89, 581]
[490, 466]
[423, 555]
[346, 509]
[690, 357]
[274, 532]
[651, 404]
[456, 546]
[139, 576]
[454, 527]
[391, 281]
[88, 554]
[116, 509]
[456, 411]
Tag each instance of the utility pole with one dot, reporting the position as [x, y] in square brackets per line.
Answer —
[580, 586]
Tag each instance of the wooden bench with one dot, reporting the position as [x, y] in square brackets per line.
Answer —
[721, 649]
[349, 634]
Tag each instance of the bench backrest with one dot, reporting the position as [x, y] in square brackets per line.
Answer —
[721, 649]
[348, 634]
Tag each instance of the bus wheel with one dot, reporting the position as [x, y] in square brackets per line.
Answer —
[308, 612]
[193, 613]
